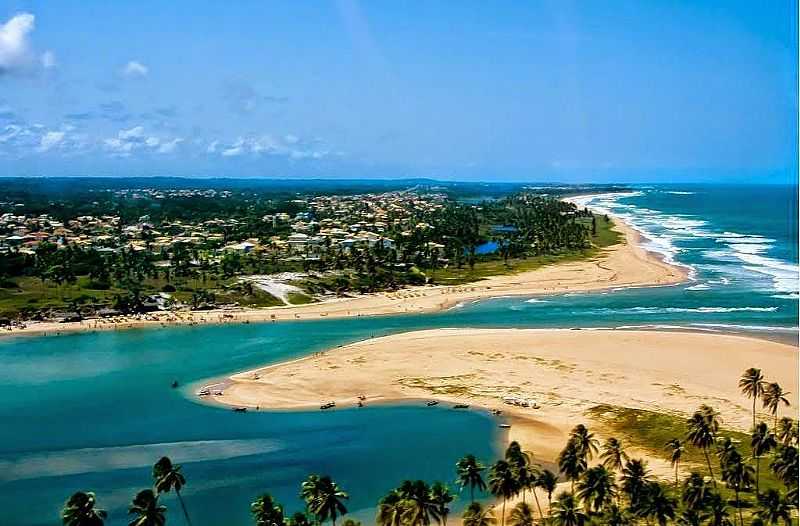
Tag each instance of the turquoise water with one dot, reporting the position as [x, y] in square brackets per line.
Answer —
[93, 411]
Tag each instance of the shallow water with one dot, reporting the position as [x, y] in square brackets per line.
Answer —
[94, 411]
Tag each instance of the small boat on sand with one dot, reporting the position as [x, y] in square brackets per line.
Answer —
[239, 409]
[327, 405]
[461, 406]
[203, 392]
[432, 403]
[504, 426]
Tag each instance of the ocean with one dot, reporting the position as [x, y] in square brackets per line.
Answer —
[94, 411]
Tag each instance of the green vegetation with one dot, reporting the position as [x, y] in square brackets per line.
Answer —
[607, 486]
[605, 236]
[130, 250]
[651, 432]
[298, 298]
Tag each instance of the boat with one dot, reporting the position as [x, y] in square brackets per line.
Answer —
[175, 384]
[461, 406]
[239, 409]
[432, 403]
[504, 426]
[203, 392]
[496, 412]
[328, 405]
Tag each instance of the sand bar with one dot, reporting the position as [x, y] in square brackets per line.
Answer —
[564, 371]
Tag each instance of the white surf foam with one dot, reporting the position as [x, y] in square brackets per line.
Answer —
[674, 310]
[660, 231]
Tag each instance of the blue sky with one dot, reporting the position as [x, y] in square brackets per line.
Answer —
[546, 90]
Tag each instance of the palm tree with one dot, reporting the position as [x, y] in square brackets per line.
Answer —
[514, 455]
[80, 510]
[675, 447]
[528, 476]
[739, 475]
[613, 455]
[787, 431]
[615, 516]
[725, 449]
[441, 497]
[299, 519]
[503, 483]
[691, 518]
[701, 435]
[596, 489]
[566, 512]
[309, 489]
[785, 465]
[419, 504]
[168, 476]
[585, 442]
[391, 510]
[695, 492]
[477, 515]
[267, 512]
[773, 397]
[324, 498]
[518, 461]
[635, 478]
[762, 442]
[469, 471]
[522, 515]
[658, 504]
[572, 462]
[752, 385]
[718, 514]
[548, 481]
[774, 508]
[147, 510]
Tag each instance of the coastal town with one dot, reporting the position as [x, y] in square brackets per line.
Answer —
[66, 260]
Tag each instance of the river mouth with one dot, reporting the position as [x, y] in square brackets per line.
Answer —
[85, 411]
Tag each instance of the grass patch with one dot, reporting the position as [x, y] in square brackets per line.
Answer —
[650, 431]
[298, 298]
[605, 236]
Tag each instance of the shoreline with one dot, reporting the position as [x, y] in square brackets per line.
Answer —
[624, 265]
[564, 372]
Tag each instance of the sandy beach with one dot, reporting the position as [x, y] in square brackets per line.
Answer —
[626, 264]
[565, 372]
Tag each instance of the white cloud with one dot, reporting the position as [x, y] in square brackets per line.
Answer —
[288, 146]
[50, 140]
[169, 146]
[136, 140]
[134, 68]
[48, 59]
[14, 45]
[235, 150]
[136, 132]
[11, 132]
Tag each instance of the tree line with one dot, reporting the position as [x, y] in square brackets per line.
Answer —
[606, 486]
